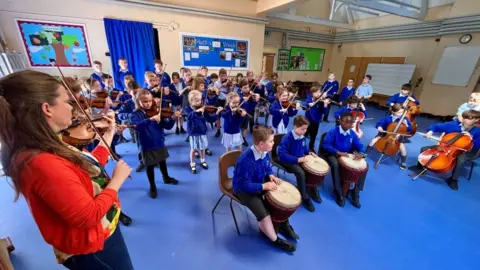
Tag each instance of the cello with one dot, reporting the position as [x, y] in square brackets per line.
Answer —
[358, 117]
[390, 144]
[413, 109]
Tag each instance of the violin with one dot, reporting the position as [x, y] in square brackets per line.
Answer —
[103, 94]
[153, 110]
[287, 104]
[210, 108]
[114, 94]
[358, 117]
[442, 158]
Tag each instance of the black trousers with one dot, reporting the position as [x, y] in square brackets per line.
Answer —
[332, 160]
[140, 156]
[312, 132]
[460, 160]
[301, 178]
[326, 111]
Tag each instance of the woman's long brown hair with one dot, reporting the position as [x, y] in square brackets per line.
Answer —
[23, 126]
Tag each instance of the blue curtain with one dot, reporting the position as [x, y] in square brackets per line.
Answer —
[133, 41]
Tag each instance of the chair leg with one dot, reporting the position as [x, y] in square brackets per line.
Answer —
[471, 171]
[234, 218]
[213, 210]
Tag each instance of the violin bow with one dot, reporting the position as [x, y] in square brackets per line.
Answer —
[89, 119]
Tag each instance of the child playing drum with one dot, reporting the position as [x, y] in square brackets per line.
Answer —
[292, 151]
[252, 176]
[338, 142]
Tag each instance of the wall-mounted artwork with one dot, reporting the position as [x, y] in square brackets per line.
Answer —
[66, 43]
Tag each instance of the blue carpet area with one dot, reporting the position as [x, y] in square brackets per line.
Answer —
[402, 224]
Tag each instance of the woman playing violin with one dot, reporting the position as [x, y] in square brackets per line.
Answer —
[467, 126]
[76, 210]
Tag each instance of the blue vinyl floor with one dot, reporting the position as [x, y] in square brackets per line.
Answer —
[402, 224]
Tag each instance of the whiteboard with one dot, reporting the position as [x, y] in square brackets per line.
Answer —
[387, 79]
[457, 65]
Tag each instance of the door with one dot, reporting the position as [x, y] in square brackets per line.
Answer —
[267, 65]
[350, 70]
[363, 67]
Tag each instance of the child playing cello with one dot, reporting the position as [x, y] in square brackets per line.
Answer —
[252, 176]
[467, 125]
[382, 126]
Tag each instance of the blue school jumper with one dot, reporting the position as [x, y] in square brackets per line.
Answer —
[250, 171]
[313, 114]
[231, 121]
[455, 126]
[211, 100]
[277, 116]
[98, 77]
[331, 87]
[292, 147]
[387, 120]
[397, 98]
[150, 134]
[196, 122]
[165, 79]
[119, 76]
[346, 93]
[339, 140]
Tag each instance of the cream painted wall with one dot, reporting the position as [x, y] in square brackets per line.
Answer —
[91, 13]
[274, 42]
[244, 7]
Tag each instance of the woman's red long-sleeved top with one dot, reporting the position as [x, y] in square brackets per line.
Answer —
[62, 200]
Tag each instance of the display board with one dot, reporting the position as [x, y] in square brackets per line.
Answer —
[283, 60]
[387, 79]
[215, 52]
[306, 59]
[457, 65]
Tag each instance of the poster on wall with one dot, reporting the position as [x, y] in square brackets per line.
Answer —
[283, 60]
[306, 59]
[215, 52]
[66, 43]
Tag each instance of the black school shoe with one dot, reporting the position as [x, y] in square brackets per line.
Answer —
[339, 199]
[126, 220]
[170, 181]
[452, 183]
[152, 193]
[286, 229]
[217, 134]
[285, 245]
[308, 205]
[315, 195]
[208, 152]
[356, 199]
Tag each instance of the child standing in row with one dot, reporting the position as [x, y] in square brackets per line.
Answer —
[314, 115]
[233, 117]
[281, 115]
[197, 129]
[151, 139]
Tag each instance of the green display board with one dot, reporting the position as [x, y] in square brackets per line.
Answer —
[283, 60]
[306, 59]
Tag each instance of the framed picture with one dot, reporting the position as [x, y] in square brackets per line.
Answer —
[64, 43]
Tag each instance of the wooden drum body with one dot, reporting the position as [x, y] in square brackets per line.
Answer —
[316, 169]
[283, 202]
[350, 171]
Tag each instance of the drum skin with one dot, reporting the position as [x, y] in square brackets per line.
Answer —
[283, 202]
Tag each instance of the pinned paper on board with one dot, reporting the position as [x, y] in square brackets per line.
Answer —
[195, 55]
[216, 44]
[237, 62]
[187, 56]
[352, 68]
[228, 56]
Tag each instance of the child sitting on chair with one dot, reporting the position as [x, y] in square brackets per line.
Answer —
[252, 176]
[292, 151]
[338, 142]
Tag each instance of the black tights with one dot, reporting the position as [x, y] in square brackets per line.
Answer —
[151, 172]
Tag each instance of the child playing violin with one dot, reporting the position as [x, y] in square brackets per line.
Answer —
[179, 87]
[151, 138]
[248, 103]
[402, 96]
[251, 178]
[264, 89]
[233, 117]
[210, 114]
[382, 125]
[170, 100]
[292, 151]
[95, 92]
[468, 126]
[472, 104]
[161, 74]
[197, 129]
[338, 142]
[151, 82]
[346, 92]
[281, 111]
[314, 113]
[329, 89]
[222, 85]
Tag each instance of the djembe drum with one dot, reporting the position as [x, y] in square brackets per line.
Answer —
[316, 169]
[350, 171]
[283, 202]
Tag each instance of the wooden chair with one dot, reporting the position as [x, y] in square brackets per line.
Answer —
[226, 161]
[274, 156]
